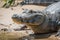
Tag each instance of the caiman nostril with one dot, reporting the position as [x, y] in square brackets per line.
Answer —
[14, 16]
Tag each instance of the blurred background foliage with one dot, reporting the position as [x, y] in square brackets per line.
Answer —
[8, 3]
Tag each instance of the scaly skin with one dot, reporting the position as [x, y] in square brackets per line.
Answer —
[41, 22]
[38, 22]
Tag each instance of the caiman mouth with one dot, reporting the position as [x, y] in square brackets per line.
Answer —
[29, 21]
[29, 18]
[15, 18]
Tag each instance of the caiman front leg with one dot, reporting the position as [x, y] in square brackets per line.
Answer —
[58, 33]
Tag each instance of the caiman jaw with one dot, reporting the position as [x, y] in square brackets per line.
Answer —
[15, 18]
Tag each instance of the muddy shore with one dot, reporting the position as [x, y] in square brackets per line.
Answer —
[6, 20]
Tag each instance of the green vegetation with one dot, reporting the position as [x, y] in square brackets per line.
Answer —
[8, 3]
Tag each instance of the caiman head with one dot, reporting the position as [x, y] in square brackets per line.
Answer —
[29, 17]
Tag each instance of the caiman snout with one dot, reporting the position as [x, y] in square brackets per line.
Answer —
[14, 16]
[18, 18]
